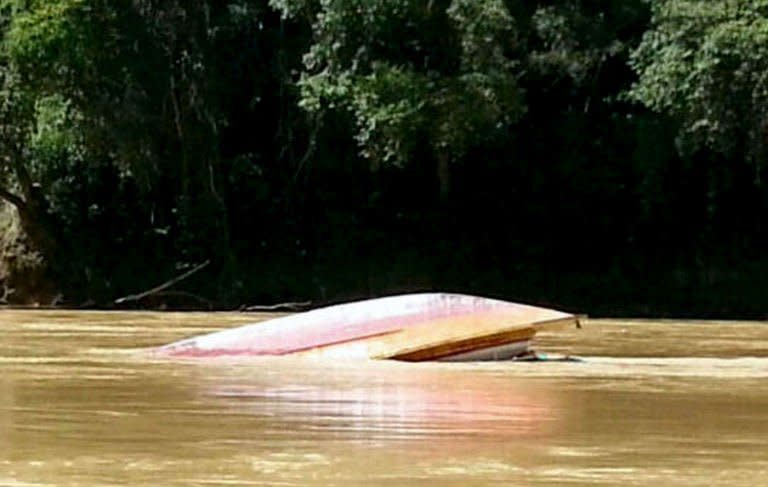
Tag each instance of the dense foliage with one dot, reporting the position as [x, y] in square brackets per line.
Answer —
[600, 155]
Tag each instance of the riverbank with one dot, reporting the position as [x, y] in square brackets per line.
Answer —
[353, 263]
[711, 295]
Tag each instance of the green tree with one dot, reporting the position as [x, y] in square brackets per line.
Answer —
[129, 98]
[18, 130]
[705, 63]
[417, 78]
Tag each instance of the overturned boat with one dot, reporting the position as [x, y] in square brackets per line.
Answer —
[413, 327]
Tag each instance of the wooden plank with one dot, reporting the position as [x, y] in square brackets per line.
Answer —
[442, 338]
[453, 347]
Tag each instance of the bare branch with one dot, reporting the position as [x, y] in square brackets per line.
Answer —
[162, 287]
[279, 306]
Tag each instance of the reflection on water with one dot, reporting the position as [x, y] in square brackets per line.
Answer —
[652, 402]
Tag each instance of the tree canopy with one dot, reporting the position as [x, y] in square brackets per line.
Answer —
[705, 63]
[328, 148]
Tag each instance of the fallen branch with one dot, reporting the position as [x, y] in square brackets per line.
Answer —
[278, 307]
[162, 287]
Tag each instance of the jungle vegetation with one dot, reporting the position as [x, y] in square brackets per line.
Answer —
[607, 157]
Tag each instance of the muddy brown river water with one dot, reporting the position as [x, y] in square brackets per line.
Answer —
[651, 403]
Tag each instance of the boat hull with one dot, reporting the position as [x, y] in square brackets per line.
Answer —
[416, 327]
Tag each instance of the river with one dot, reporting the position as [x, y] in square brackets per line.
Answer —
[649, 403]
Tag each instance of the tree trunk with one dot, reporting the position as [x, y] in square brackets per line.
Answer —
[443, 176]
[31, 207]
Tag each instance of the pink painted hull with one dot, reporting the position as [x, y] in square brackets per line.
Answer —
[380, 328]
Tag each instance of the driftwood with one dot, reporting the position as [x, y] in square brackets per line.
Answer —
[162, 287]
[278, 307]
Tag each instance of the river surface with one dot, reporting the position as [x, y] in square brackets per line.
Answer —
[651, 403]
